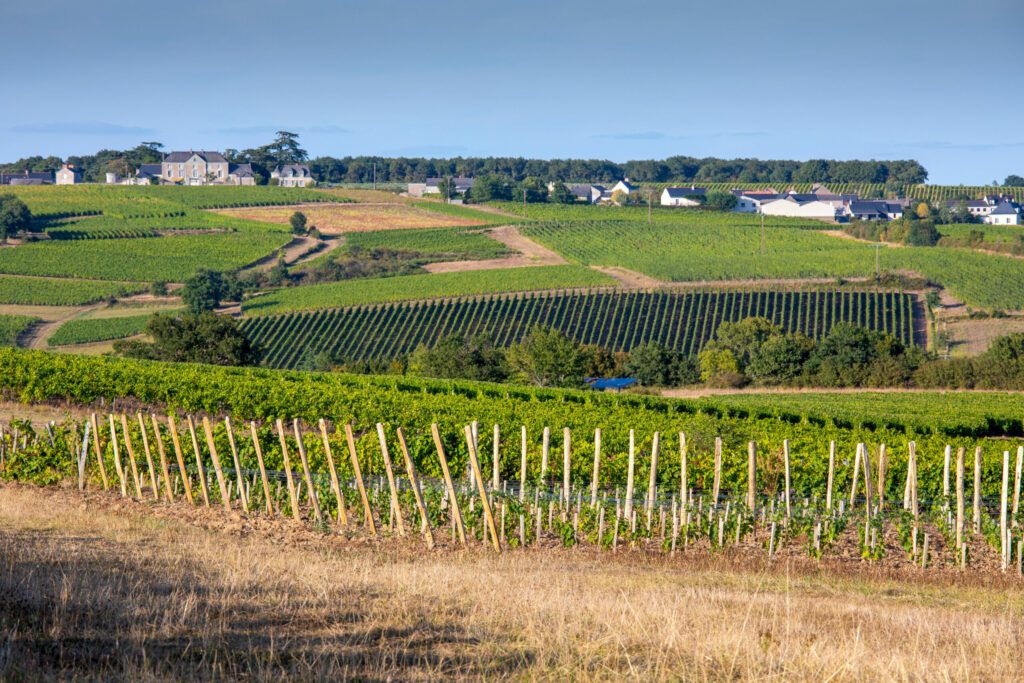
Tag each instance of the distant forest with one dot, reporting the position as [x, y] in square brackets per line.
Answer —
[365, 169]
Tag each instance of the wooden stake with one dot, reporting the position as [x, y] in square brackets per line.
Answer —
[367, 512]
[867, 479]
[410, 470]
[314, 499]
[831, 475]
[496, 459]
[293, 495]
[149, 455]
[545, 446]
[960, 452]
[162, 452]
[717, 486]
[913, 481]
[856, 476]
[395, 505]
[566, 463]
[1017, 482]
[946, 459]
[173, 428]
[455, 512]
[130, 450]
[199, 461]
[597, 467]
[683, 486]
[238, 465]
[263, 469]
[785, 464]
[652, 481]
[522, 465]
[131, 460]
[96, 448]
[221, 482]
[121, 471]
[977, 490]
[335, 487]
[629, 475]
[485, 504]
[883, 466]
[1004, 494]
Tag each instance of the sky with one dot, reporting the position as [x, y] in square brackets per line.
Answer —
[934, 80]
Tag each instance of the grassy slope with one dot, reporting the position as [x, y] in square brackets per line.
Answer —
[379, 290]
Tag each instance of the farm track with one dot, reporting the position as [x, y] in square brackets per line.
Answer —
[38, 336]
[528, 253]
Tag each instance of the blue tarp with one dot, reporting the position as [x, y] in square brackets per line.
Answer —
[610, 383]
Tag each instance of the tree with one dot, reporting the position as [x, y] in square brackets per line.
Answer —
[192, 338]
[535, 190]
[560, 194]
[922, 210]
[720, 201]
[743, 338]
[657, 365]
[455, 357]
[620, 197]
[1014, 181]
[780, 358]
[205, 290]
[14, 216]
[548, 358]
[922, 234]
[719, 367]
[490, 188]
[285, 149]
[298, 222]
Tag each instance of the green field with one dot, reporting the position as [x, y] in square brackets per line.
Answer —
[616, 320]
[693, 248]
[114, 227]
[40, 291]
[13, 325]
[88, 330]
[407, 287]
[172, 258]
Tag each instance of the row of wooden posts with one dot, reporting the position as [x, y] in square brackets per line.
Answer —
[862, 472]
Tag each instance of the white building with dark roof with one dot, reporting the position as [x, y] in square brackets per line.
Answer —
[195, 168]
[683, 196]
[1006, 212]
[293, 175]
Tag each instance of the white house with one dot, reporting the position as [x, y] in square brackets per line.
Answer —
[293, 175]
[797, 206]
[431, 186]
[1007, 212]
[624, 186]
[67, 175]
[683, 196]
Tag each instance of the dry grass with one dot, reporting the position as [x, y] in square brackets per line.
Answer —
[97, 588]
[337, 219]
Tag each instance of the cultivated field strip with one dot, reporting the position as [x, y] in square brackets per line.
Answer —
[663, 496]
[618, 320]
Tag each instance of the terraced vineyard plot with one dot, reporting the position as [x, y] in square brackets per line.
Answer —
[443, 243]
[116, 227]
[13, 325]
[40, 291]
[613, 319]
[717, 250]
[87, 330]
[409, 287]
[141, 260]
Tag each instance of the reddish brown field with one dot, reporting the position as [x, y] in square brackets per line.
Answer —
[337, 219]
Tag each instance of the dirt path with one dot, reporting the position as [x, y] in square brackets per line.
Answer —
[38, 336]
[300, 249]
[631, 278]
[529, 253]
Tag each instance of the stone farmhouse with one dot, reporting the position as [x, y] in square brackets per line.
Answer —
[67, 175]
[293, 175]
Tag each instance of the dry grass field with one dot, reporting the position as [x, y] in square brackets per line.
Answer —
[337, 219]
[93, 587]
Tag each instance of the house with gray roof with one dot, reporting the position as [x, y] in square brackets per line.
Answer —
[1006, 212]
[195, 168]
[292, 175]
[27, 178]
[459, 185]
[683, 196]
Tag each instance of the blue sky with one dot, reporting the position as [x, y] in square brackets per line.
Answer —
[936, 81]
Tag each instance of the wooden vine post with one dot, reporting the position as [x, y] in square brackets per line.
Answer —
[335, 486]
[149, 455]
[121, 472]
[395, 506]
[717, 485]
[162, 452]
[484, 503]
[831, 475]
[293, 496]
[239, 477]
[96, 448]
[367, 511]
[883, 466]
[566, 463]
[545, 447]
[867, 491]
[629, 475]
[410, 469]
[652, 481]
[221, 482]
[263, 469]
[1017, 482]
[683, 485]
[522, 464]
[199, 461]
[1003, 528]
[856, 476]
[130, 458]
[131, 450]
[313, 498]
[960, 453]
[947, 457]
[977, 490]
[180, 457]
[752, 476]
[789, 487]
[449, 485]
[496, 459]
[597, 468]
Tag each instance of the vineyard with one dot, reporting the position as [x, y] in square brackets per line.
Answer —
[408, 287]
[618, 320]
[929, 193]
[695, 250]
[39, 291]
[88, 330]
[11, 326]
[434, 244]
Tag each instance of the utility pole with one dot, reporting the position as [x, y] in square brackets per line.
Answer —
[762, 235]
[375, 175]
[650, 202]
[524, 197]
[878, 269]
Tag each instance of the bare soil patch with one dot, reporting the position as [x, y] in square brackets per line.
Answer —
[530, 253]
[336, 219]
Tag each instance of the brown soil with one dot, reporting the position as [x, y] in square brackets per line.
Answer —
[337, 219]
